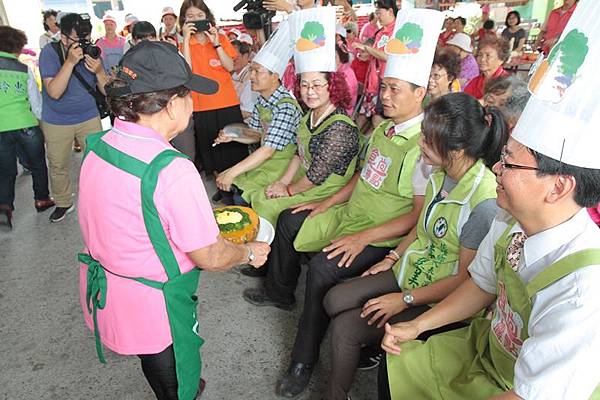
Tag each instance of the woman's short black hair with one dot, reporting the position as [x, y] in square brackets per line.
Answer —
[12, 40]
[587, 186]
[516, 14]
[47, 14]
[130, 107]
[387, 5]
[489, 24]
[143, 30]
[450, 62]
[458, 121]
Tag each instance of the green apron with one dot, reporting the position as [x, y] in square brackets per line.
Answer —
[271, 208]
[179, 290]
[434, 254]
[272, 169]
[378, 184]
[478, 361]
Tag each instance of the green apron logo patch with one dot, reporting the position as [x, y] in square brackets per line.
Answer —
[376, 169]
[440, 227]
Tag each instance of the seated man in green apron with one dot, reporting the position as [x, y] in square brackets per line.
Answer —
[365, 220]
[273, 123]
[539, 264]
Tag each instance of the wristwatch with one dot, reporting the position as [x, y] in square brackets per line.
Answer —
[408, 298]
[251, 256]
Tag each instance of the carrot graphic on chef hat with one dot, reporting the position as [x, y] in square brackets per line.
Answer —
[407, 40]
[312, 36]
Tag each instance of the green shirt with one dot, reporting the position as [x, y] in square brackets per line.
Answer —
[14, 99]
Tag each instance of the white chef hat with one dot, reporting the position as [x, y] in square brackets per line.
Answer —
[277, 51]
[562, 117]
[313, 34]
[411, 48]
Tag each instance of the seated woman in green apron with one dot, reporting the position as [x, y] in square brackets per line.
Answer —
[327, 139]
[146, 242]
[459, 139]
[273, 124]
[539, 265]
[367, 218]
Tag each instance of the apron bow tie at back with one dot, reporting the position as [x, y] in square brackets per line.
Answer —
[95, 294]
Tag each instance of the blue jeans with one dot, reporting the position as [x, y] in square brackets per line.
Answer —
[31, 142]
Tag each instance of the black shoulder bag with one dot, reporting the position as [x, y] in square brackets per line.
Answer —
[101, 103]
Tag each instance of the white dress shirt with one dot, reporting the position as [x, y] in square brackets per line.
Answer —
[559, 360]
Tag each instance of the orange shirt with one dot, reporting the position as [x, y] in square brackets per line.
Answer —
[206, 62]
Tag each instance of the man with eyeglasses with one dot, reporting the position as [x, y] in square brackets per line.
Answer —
[362, 223]
[273, 124]
[537, 268]
[69, 111]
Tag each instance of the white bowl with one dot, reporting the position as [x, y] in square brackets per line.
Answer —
[266, 232]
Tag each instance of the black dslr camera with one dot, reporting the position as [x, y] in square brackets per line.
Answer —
[256, 16]
[83, 27]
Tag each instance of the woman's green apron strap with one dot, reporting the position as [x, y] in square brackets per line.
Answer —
[179, 290]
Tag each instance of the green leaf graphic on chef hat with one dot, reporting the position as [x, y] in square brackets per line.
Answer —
[312, 30]
[410, 34]
[572, 51]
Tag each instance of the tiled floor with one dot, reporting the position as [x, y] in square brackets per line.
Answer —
[47, 353]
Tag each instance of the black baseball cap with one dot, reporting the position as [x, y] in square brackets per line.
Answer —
[151, 66]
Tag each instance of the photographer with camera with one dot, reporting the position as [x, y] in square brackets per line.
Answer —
[211, 55]
[71, 71]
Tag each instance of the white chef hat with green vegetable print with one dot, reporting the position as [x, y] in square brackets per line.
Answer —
[411, 47]
[562, 118]
[313, 34]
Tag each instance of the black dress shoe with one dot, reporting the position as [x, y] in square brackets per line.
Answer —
[260, 297]
[249, 270]
[295, 380]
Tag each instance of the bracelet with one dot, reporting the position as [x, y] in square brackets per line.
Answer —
[395, 254]
[216, 46]
[390, 258]
[289, 192]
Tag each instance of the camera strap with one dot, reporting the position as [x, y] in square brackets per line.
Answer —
[61, 57]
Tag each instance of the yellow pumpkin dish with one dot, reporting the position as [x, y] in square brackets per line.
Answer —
[237, 224]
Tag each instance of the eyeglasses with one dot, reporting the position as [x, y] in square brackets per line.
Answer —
[317, 87]
[437, 77]
[506, 165]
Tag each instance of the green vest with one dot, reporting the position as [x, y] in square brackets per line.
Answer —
[271, 208]
[378, 184]
[434, 254]
[272, 169]
[180, 288]
[478, 361]
[14, 98]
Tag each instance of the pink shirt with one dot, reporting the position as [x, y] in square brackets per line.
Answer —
[135, 320]
[368, 31]
[352, 83]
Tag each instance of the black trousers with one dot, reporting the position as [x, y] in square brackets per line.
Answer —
[159, 370]
[283, 265]
[322, 275]
[207, 125]
[31, 142]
